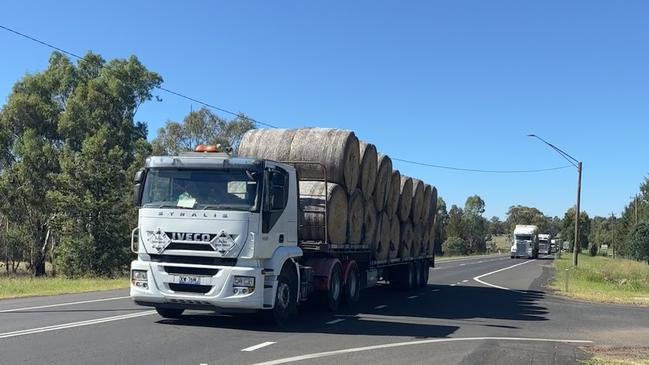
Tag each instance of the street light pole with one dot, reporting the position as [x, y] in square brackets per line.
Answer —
[573, 161]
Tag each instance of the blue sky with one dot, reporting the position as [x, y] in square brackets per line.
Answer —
[458, 83]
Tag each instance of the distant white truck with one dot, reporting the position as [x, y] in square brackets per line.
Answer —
[544, 244]
[526, 242]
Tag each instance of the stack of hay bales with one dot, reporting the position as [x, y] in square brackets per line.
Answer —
[368, 203]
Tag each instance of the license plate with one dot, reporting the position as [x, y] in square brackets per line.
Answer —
[192, 280]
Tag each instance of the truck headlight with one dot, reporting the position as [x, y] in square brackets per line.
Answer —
[139, 278]
[244, 281]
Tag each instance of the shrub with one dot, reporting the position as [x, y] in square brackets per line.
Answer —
[592, 250]
[456, 246]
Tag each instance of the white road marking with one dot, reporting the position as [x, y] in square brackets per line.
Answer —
[73, 324]
[410, 343]
[412, 297]
[465, 281]
[480, 261]
[435, 290]
[453, 284]
[380, 306]
[336, 321]
[257, 347]
[477, 278]
[62, 304]
[462, 264]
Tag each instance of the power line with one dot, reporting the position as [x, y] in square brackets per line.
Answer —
[480, 170]
[181, 95]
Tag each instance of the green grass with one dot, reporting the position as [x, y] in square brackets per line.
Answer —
[603, 279]
[27, 286]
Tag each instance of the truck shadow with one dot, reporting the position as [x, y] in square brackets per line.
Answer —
[433, 311]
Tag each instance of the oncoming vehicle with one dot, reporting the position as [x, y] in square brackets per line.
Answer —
[545, 246]
[526, 242]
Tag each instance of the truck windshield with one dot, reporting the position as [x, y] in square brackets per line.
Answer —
[523, 238]
[234, 189]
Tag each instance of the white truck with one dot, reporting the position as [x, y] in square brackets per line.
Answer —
[545, 246]
[525, 242]
[220, 233]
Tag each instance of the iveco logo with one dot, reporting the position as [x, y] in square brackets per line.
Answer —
[179, 236]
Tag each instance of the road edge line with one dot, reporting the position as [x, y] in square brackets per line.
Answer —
[477, 278]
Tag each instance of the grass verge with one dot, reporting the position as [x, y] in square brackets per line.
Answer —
[27, 286]
[602, 279]
[605, 355]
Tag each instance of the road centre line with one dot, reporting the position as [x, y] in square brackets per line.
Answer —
[380, 306]
[412, 297]
[465, 281]
[336, 321]
[74, 324]
[410, 343]
[62, 304]
[477, 278]
[258, 346]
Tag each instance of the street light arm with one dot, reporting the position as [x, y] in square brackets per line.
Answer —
[573, 161]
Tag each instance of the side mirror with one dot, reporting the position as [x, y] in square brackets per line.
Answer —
[139, 176]
[137, 194]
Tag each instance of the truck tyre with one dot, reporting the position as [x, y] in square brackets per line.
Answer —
[417, 274]
[424, 274]
[334, 292]
[172, 313]
[285, 297]
[352, 288]
[407, 277]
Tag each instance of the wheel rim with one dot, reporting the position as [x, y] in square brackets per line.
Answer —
[335, 286]
[352, 284]
[283, 295]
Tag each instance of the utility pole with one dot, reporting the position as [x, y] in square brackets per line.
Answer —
[573, 161]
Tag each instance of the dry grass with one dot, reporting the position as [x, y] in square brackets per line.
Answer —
[608, 355]
[27, 286]
[603, 279]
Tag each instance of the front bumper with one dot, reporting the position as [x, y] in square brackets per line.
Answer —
[218, 294]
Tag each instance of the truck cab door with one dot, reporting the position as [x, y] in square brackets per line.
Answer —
[276, 224]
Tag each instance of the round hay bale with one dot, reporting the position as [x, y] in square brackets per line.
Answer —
[406, 241]
[383, 176]
[417, 240]
[312, 205]
[395, 237]
[369, 224]
[428, 195]
[367, 171]
[405, 198]
[336, 149]
[393, 193]
[417, 206]
[355, 217]
[271, 144]
[432, 211]
[383, 237]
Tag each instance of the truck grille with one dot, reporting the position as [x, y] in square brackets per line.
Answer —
[190, 270]
[190, 246]
[187, 288]
[195, 260]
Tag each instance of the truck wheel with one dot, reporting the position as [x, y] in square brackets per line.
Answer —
[424, 274]
[406, 277]
[171, 313]
[417, 274]
[352, 288]
[335, 288]
[285, 298]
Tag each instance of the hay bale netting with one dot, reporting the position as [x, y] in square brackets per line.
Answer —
[405, 242]
[383, 176]
[367, 170]
[312, 205]
[369, 224]
[428, 196]
[336, 149]
[417, 240]
[271, 144]
[393, 193]
[383, 237]
[355, 217]
[405, 198]
[417, 206]
[395, 237]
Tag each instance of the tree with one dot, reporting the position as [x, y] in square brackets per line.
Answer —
[497, 227]
[441, 223]
[456, 246]
[455, 227]
[519, 214]
[474, 225]
[639, 241]
[200, 127]
[568, 229]
[67, 137]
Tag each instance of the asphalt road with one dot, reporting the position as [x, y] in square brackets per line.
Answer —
[473, 311]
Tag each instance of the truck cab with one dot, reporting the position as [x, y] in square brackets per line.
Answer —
[525, 242]
[545, 244]
[214, 232]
